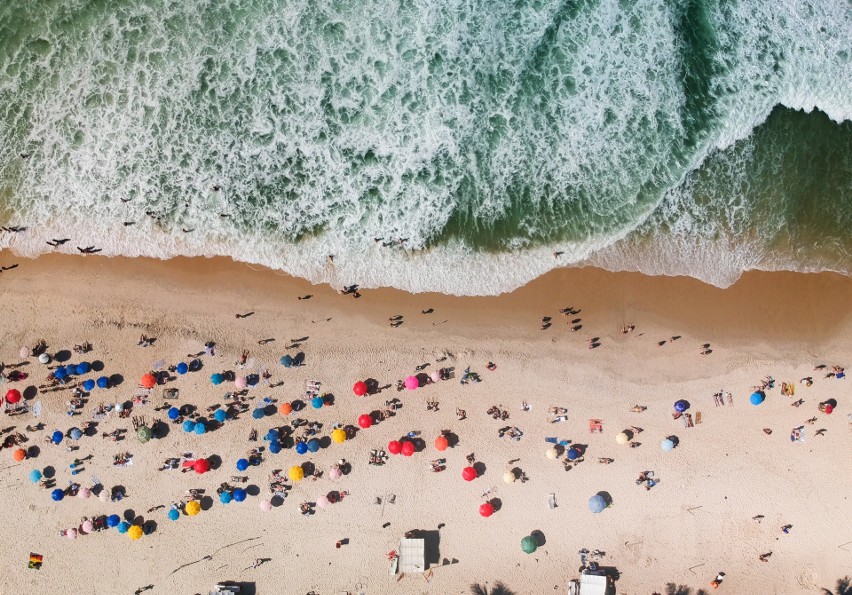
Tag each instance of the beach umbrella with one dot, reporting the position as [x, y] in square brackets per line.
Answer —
[60, 373]
[112, 521]
[71, 533]
[13, 395]
[193, 507]
[317, 402]
[829, 409]
[365, 421]
[265, 505]
[182, 368]
[469, 474]
[103, 382]
[338, 435]
[272, 435]
[274, 447]
[681, 406]
[135, 532]
[573, 454]
[220, 416]
[509, 476]
[70, 370]
[217, 378]
[35, 475]
[597, 503]
[622, 438]
[188, 426]
[286, 361]
[285, 409]
[84, 493]
[57, 437]
[407, 448]
[258, 413]
[394, 447]
[88, 385]
[296, 473]
[123, 526]
[551, 453]
[83, 368]
[174, 413]
[44, 358]
[667, 445]
[411, 382]
[103, 496]
[301, 448]
[239, 495]
[75, 433]
[528, 544]
[486, 509]
[323, 501]
[360, 388]
[225, 497]
[335, 473]
[313, 445]
[242, 464]
[756, 398]
[119, 407]
[24, 352]
[201, 466]
[57, 495]
[441, 443]
[435, 376]
[19, 455]
[241, 382]
[87, 527]
[144, 434]
[173, 514]
[200, 428]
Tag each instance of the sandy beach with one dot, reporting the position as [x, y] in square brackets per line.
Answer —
[721, 496]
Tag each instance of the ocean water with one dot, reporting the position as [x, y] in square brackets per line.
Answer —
[433, 145]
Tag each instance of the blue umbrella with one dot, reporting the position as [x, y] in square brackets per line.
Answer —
[258, 413]
[60, 373]
[182, 368]
[83, 368]
[317, 402]
[88, 385]
[286, 361]
[57, 437]
[75, 434]
[313, 445]
[200, 428]
[103, 382]
[272, 434]
[35, 475]
[221, 415]
[756, 398]
[188, 425]
[242, 464]
[573, 454]
[123, 526]
[57, 495]
[112, 521]
[667, 445]
[173, 413]
[239, 495]
[597, 503]
[225, 497]
[681, 406]
[70, 370]
[301, 448]
[174, 514]
[217, 378]
[275, 447]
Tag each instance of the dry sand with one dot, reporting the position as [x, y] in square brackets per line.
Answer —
[695, 522]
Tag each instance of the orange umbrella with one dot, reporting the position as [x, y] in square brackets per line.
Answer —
[19, 455]
[148, 381]
[285, 409]
[441, 443]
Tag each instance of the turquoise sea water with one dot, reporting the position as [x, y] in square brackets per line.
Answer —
[699, 138]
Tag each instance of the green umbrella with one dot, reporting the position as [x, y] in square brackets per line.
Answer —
[144, 434]
[528, 544]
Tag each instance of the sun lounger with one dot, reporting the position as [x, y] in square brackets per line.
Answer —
[551, 440]
[595, 425]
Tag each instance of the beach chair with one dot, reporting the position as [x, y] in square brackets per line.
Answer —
[595, 425]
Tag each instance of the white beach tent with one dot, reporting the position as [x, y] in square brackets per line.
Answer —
[412, 555]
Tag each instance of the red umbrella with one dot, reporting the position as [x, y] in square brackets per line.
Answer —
[13, 396]
[201, 466]
[441, 443]
[407, 448]
[828, 408]
[365, 421]
[360, 388]
[486, 509]
[394, 447]
[148, 381]
[469, 474]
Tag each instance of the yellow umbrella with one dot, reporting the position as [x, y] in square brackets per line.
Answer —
[552, 453]
[509, 477]
[296, 473]
[193, 507]
[135, 532]
[338, 435]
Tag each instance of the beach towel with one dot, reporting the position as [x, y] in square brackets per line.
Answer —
[35, 561]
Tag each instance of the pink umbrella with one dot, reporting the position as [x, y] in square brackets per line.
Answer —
[87, 527]
[322, 501]
[71, 534]
[25, 352]
[435, 376]
[84, 493]
[240, 382]
[335, 473]
[265, 505]
[411, 382]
